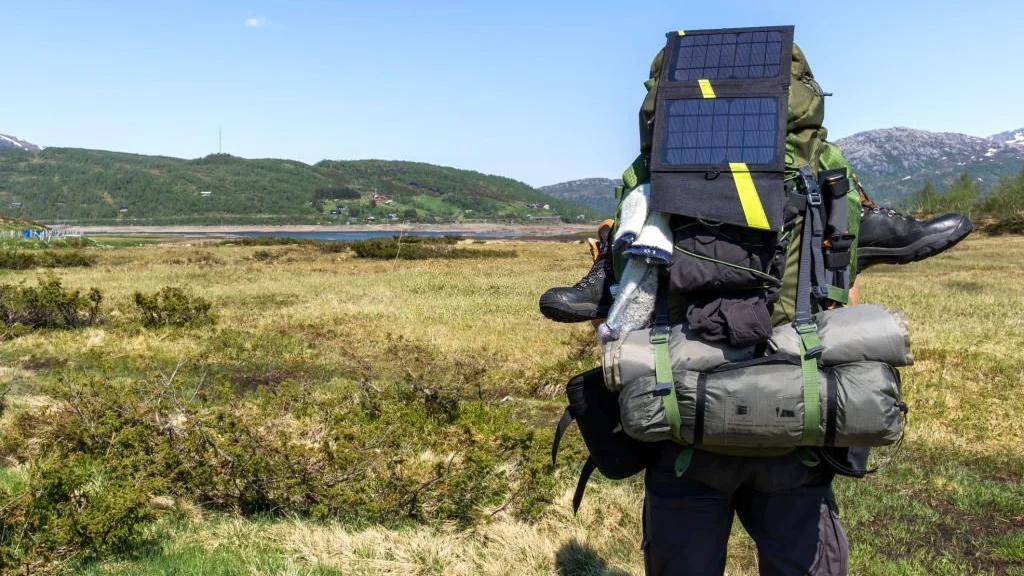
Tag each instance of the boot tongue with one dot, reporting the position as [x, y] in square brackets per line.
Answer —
[604, 232]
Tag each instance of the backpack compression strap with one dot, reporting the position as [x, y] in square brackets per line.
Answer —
[665, 385]
[811, 282]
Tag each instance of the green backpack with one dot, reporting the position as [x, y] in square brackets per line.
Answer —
[805, 145]
[773, 184]
[791, 198]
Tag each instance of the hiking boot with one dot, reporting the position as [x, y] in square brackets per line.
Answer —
[590, 298]
[889, 237]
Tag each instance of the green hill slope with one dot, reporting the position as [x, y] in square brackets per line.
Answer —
[77, 185]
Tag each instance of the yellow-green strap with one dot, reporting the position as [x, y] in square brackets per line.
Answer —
[665, 385]
[837, 294]
[812, 401]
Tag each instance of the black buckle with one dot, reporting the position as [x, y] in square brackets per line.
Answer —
[837, 255]
[841, 242]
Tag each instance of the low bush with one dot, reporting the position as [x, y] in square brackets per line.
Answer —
[268, 241]
[25, 260]
[70, 508]
[421, 249]
[265, 256]
[199, 258]
[172, 306]
[46, 305]
[357, 452]
[1013, 224]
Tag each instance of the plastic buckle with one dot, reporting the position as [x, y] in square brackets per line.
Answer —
[805, 327]
[841, 242]
[819, 292]
[659, 334]
[810, 328]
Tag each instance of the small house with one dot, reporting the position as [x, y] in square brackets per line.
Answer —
[15, 204]
[335, 212]
[205, 193]
[123, 209]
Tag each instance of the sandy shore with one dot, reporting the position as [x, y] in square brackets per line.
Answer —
[518, 230]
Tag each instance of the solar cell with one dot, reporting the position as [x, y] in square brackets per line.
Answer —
[728, 55]
[720, 131]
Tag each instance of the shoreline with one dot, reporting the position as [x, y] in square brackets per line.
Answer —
[514, 230]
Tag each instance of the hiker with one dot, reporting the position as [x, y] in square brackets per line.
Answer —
[709, 238]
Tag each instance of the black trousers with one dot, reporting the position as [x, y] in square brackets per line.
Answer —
[787, 508]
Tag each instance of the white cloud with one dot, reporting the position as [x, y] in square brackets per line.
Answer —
[256, 22]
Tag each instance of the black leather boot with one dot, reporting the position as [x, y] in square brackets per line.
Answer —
[590, 298]
[889, 237]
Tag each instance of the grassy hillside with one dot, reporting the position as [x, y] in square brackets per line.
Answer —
[308, 342]
[598, 193]
[77, 185]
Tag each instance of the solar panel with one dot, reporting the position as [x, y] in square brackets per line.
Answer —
[720, 131]
[718, 151]
[732, 55]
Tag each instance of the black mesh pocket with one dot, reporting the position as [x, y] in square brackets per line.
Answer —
[716, 258]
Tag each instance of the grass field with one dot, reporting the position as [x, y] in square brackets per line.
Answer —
[950, 501]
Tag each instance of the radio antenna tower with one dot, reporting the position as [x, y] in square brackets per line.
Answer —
[219, 141]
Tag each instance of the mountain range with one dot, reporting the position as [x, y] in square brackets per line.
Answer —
[892, 163]
[93, 185]
[82, 186]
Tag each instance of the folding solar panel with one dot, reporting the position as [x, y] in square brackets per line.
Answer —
[720, 126]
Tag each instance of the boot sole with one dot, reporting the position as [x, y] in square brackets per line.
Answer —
[561, 311]
[924, 248]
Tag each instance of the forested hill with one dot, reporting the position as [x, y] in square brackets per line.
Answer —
[79, 186]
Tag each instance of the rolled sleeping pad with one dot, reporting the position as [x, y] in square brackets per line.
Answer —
[632, 356]
[761, 405]
[852, 334]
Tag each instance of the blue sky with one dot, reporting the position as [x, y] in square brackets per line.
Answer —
[540, 91]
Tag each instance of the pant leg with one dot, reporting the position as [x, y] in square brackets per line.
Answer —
[687, 520]
[790, 512]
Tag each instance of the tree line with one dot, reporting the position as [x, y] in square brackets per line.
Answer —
[1005, 200]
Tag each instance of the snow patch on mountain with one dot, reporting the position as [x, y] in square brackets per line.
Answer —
[15, 143]
[1013, 138]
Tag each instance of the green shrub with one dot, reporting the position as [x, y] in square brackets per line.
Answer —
[17, 259]
[70, 508]
[1013, 224]
[172, 306]
[3, 402]
[421, 248]
[267, 241]
[334, 247]
[72, 242]
[265, 256]
[47, 305]
[198, 258]
[344, 454]
[22, 260]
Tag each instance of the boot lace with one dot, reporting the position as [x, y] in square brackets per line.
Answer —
[595, 276]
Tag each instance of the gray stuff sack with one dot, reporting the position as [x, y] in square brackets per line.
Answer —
[632, 356]
[762, 406]
[852, 334]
